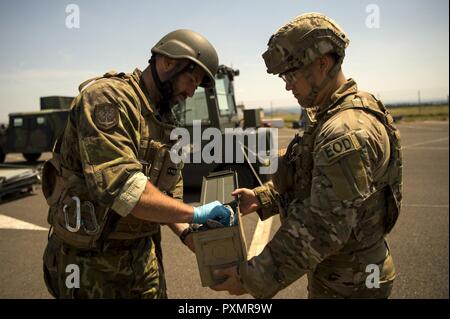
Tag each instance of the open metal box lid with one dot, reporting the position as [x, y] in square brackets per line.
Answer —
[218, 186]
[225, 246]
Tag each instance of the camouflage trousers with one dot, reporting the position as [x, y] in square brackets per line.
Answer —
[130, 269]
[318, 289]
[338, 283]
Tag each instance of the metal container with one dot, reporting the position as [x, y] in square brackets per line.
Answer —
[225, 246]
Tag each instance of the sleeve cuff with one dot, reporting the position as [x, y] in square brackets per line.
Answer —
[130, 194]
[257, 276]
[268, 209]
[263, 197]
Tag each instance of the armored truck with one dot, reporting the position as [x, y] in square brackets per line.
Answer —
[33, 133]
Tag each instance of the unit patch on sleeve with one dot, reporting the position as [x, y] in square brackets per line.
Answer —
[106, 116]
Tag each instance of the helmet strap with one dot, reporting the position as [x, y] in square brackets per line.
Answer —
[315, 89]
[166, 87]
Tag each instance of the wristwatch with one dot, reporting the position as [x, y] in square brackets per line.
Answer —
[186, 232]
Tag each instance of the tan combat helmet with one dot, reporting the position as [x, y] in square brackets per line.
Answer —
[304, 39]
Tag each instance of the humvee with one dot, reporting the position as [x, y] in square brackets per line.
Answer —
[33, 133]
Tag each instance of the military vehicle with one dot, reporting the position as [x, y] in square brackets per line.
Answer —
[217, 108]
[32, 133]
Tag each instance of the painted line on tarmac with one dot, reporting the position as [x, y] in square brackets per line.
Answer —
[424, 128]
[425, 205]
[262, 232]
[426, 142]
[431, 148]
[7, 222]
[260, 237]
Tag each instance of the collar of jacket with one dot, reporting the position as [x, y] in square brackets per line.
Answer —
[348, 88]
[137, 77]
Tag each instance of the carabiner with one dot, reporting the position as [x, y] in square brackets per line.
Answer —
[78, 220]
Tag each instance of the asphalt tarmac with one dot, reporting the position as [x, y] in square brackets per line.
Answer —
[419, 242]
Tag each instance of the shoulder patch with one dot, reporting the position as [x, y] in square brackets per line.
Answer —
[106, 116]
[337, 148]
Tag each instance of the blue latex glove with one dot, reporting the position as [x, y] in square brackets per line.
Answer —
[214, 210]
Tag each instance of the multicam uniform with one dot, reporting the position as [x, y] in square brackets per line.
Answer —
[343, 199]
[114, 142]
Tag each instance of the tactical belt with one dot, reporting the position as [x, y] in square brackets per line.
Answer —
[345, 258]
[375, 203]
[123, 244]
[376, 253]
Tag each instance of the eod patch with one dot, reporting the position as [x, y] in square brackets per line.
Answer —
[339, 147]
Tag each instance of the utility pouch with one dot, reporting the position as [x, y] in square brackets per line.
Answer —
[163, 172]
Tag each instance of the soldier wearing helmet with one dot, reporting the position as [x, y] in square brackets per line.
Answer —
[111, 182]
[338, 187]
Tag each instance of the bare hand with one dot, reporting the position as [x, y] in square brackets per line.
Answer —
[232, 284]
[248, 202]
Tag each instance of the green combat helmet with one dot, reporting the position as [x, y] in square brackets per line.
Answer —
[187, 44]
[304, 39]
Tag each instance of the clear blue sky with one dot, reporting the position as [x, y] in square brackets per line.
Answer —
[39, 56]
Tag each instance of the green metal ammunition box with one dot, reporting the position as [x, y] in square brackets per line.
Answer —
[219, 247]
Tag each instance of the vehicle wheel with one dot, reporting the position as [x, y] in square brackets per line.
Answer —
[245, 175]
[31, 157]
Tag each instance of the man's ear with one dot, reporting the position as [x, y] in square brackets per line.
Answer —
[168, 64]
[323, 65]
[326, 63]
[165, 66]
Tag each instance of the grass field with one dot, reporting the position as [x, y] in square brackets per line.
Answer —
[422, 112]
[287, 117]
[403, 113]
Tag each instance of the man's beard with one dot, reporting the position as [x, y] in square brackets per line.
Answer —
[177, 98]
[178, 95]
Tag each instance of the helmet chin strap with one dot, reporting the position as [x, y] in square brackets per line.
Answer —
[166, 87]
[315, 89]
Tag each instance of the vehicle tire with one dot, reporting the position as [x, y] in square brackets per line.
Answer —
[31, 157]
[245, 175]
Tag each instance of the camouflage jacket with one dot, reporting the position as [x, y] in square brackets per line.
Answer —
[325, 212]
[108, 140]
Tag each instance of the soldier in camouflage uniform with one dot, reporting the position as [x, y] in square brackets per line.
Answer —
[112, 180]
[338, 187]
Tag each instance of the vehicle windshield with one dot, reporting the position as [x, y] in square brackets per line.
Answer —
[224, 97]
[194, 108]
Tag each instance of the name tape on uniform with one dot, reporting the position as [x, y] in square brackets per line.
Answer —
[340, 146]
